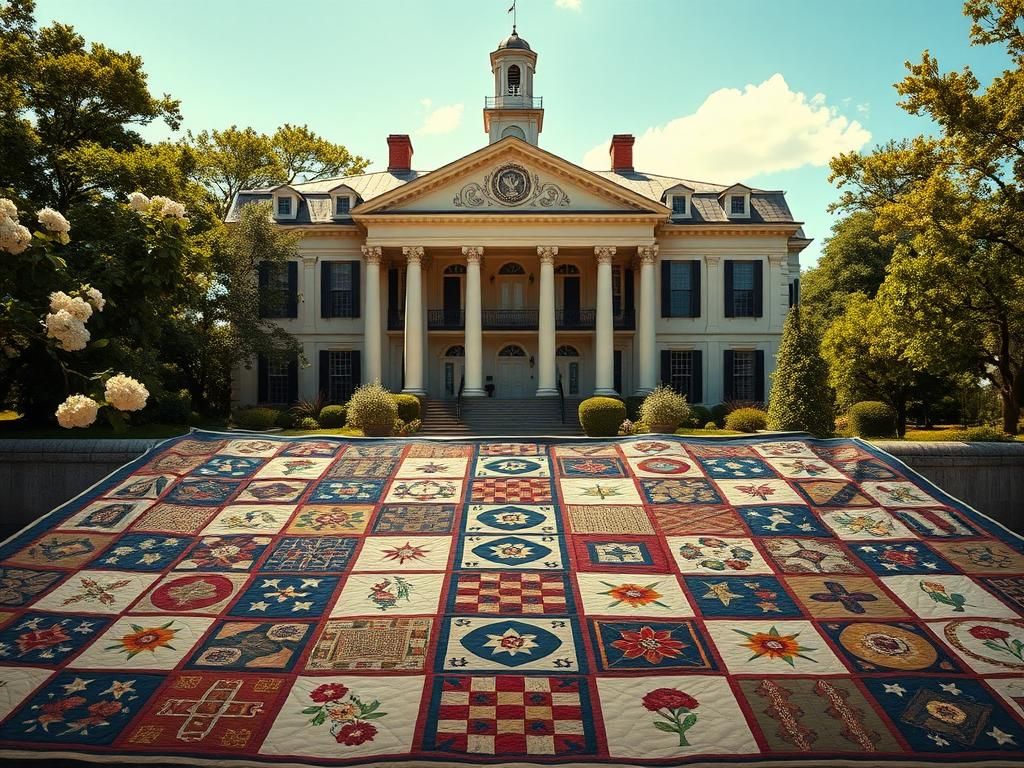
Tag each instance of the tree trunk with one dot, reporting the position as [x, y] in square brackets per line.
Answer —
[901, 416]
[1011, 409]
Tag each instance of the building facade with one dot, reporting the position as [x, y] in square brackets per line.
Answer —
[512, 273]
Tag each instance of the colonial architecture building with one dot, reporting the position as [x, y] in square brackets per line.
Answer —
[511, 271]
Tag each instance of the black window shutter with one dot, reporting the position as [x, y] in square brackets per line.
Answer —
[393, 309]
[264, 285]
[758, 289]
[796, 292]
[293, 380]
[325, 288]
[791, 293]
[617, 370]
[627, 292]
[357, 369]
[666, 367]
[293, 289]
[729, 307]
[759, 375]
[261, 379]
[666, 288]
[695, 288]
[356, 289]
[727, 388]
[325, 373]
[696, 377]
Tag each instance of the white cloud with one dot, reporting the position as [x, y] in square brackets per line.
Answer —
[569, 5]
[444, 119]
[735, 135]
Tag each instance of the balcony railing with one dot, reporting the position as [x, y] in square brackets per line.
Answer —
[509, 319]
[515, 320]
[513, 102]
[575, 319]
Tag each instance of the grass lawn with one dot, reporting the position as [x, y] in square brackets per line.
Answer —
[686, 431]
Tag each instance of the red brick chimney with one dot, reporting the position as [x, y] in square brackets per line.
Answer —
[399, 152]
[621, 151]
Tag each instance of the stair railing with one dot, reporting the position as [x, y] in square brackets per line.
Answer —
[458, 398]
[561, 396]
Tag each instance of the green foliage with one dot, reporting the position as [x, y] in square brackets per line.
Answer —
[172, 408]
[719, 412]
[663, 406]
[633, 403]
[406, 428]
[746, 420]
[627, 428]
[308, 423]
[259, 419]
[286, 419]
[710, 425]
[983, 434]
[332, 416]
[601, 416]
[800, 399]
[309, 406]
[699, 415]
[408, 407]
[372, 408]
[872, 418]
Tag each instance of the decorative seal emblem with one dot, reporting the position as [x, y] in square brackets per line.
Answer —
[511, 184]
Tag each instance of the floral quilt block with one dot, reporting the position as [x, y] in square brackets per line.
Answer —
[103, 592]
[330, 519]
[946, 596]
[144, 642]
[294, 468]
[871, 524]
[769, 647]
[48, 639]
[224, 553]
[432, 467]
[106, 516]
[250, 519]
[62, 550]
[716, 555]
[389, 594]
[403, 553]
[497, 644]
[758, 491]
[538, 519]
[653, 595]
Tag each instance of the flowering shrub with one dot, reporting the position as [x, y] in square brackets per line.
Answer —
[373, 409]
[665, 407]
[627, 428]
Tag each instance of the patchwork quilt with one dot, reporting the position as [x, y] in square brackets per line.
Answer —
[244, 600]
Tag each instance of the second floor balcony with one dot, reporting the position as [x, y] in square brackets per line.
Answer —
[583, 319]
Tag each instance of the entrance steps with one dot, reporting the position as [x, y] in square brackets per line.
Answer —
[529, 417]
[439, 420]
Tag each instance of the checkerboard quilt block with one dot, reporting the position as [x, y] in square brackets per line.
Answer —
[232, 600]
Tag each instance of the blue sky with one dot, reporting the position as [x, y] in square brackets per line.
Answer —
[745, 90]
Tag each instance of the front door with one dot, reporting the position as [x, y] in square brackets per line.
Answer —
[569, 368]
[452, 301]
[451, 375]
[512, 377]
[513, 294]
[571, 301]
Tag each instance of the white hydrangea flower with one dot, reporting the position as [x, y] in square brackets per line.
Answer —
[138, 201]
[125, 393]
[8, 208]
[70, 332]
[53, 221]
[77, 411]
[95, 297]
[168, 208]
[14, 237]
[78, 308]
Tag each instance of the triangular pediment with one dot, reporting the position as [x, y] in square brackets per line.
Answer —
[507, 177]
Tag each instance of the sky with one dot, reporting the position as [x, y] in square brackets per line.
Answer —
[745, 90]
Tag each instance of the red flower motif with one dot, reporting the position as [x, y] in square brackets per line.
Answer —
[328, 692]
[900, 558]
[44, 638]
[352, 734]
[53, 711]
[981, 632]
[653, 645]
[737, 565]
[104, 709]
[669, 698]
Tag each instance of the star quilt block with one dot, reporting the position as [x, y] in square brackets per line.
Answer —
[747, 596]
[403, 553]
[648, 645]
[782, 520]
[626, 553]
[143, 552]
[511, 518]
[48, 639]
[144, 642]
[507, 643]
[511, 552]
[286, 597]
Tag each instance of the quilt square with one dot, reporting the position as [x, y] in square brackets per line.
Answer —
[48, 639]
[584, 450]
[18, 683]
[655, 595]
[511, 552]
[592, 466]
[106, 516]
[599, 491]
[510, 716]
[250, 646]
[697, 518]
[415, 518]
[424, 491]
[510, 644]
[313, 554]
[174, 463]
[671, 718]
[195, 447]
[519, 593]
[344, 469]
[203, 593]
[255, 447]
[250, 518]
[294, 467]
[898, 494]
[888, 558]
[714, 554]
[202, 491]
[992, 646]
[228, 466]
[768, 647]
[867, 469]
[890, 646]
[682, 491]
[19, 586]
[403, 553]
[61, 550]
[511, 518]
[664, 466]
[805, 468]
[608, 518]
[316, 448]
[371, 644]
[174, 518]
[846, 597]
[866, 523]
[1011, 689]
[938, 596]
[144, 642]
[279, 491]
[758, 492]
[141, 487]
[514, 490]
[736, 468]
[651, 446]
[809, 556]
[373, 451]
[355, 716]
[795, 713]
[347, 491]
[986, 556]
[605, 553]
[721, 449]
[107, 592]
[78, 706]
[936, 523]
[208, 712]
[439, 450]
[846, 451]
[285, 597]
[833, 493]
[1010, 589]
[327, 519]
[511, 449]
[631, 645]
[783, 520]
[224, 553]
[735, 596]
[374, 594]
[419, 468]
[784, 449]
[142, 552]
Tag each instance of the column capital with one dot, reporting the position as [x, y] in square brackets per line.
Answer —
[372, 253]
[413, 253]
[647, 254]
[604, 253]
[473, 253]
[777, 258]
[712, 259]
[309, 261]
[547, 253]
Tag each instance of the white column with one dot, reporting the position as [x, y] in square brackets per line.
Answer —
[646, 352]
[714, 290]
[474, 341]
[371, 315]
[547, 384]
[604, 335]
[309, 308]
[414, 326]
[777, 301]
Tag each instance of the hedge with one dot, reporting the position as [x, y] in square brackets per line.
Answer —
[872, 418]
[746, 420]
[332, 416]
[602, 416]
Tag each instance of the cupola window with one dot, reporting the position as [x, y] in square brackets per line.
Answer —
[514, 80]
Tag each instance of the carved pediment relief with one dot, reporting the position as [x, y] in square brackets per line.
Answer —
[511, 185]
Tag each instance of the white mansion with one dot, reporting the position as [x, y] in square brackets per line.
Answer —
[511, 271]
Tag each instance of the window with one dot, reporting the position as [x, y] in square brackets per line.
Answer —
[342, 205]
[514, 80]
[743, 289]
[744, 366]
[284, 206]
[794, 293]
[279, 289]
[511, 268]
[277, 383]
[567, 350]
[574, 378]
[678, 205]
[456, 351]
[737, 205]
[341, 382]
[512, 350]
[339, 287]
[680, 288]
[680, 372]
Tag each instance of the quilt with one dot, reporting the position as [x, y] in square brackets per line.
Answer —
[241, 600]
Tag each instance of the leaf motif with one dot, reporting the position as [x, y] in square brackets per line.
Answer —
[661, 725]
[688, 721]
[319, 719]
[310, 710]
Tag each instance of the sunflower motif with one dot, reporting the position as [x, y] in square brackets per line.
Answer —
[775, 645]
[633, 595]
[145, 639]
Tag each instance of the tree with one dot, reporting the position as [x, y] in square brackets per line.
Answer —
[800, 398]
[953, 206]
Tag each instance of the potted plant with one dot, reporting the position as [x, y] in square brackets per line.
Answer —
[663, 410]
[489, 386]
[373, 410]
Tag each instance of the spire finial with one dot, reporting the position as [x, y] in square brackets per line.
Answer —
[512, 10]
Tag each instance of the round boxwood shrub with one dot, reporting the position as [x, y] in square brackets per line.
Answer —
[408, 407]
[699, 415]
[872, 418]
[602, 416]
[372, 409]
[308, 422]
[746, 420]
[332, 416]
[711, 425]
[258, 419]
[719, 412]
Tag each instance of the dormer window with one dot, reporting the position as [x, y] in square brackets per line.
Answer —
[284, 206]
[735, 200]
[677, 198]
[679, 205]
[342, 205]
[737, 205]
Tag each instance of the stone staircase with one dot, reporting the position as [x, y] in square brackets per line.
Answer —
[530, 417]
[439, 420]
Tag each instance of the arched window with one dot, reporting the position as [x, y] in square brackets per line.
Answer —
[567, 350]
[567, 269]
[511, 268]
[455, 269]
[512, 350]
[514, 80]
[457, 351]
[515, 131]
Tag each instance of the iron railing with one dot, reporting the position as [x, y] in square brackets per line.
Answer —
[458, 399]
[513, 101]
[561, 397]
[515, 319]
[575, 319]
[509, 319]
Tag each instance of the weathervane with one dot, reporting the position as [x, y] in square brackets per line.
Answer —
[512, 10]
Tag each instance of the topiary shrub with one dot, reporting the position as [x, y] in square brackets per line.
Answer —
[664, 409]
[711, 425]
[602, 416]
[746, 420]
[332, 416]
[258, 419]
[801, 399]
[633, 403]
[719, 412]
[308, 422]
[408, 407]
[872, 418]
[372, 409]
[699, 415]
